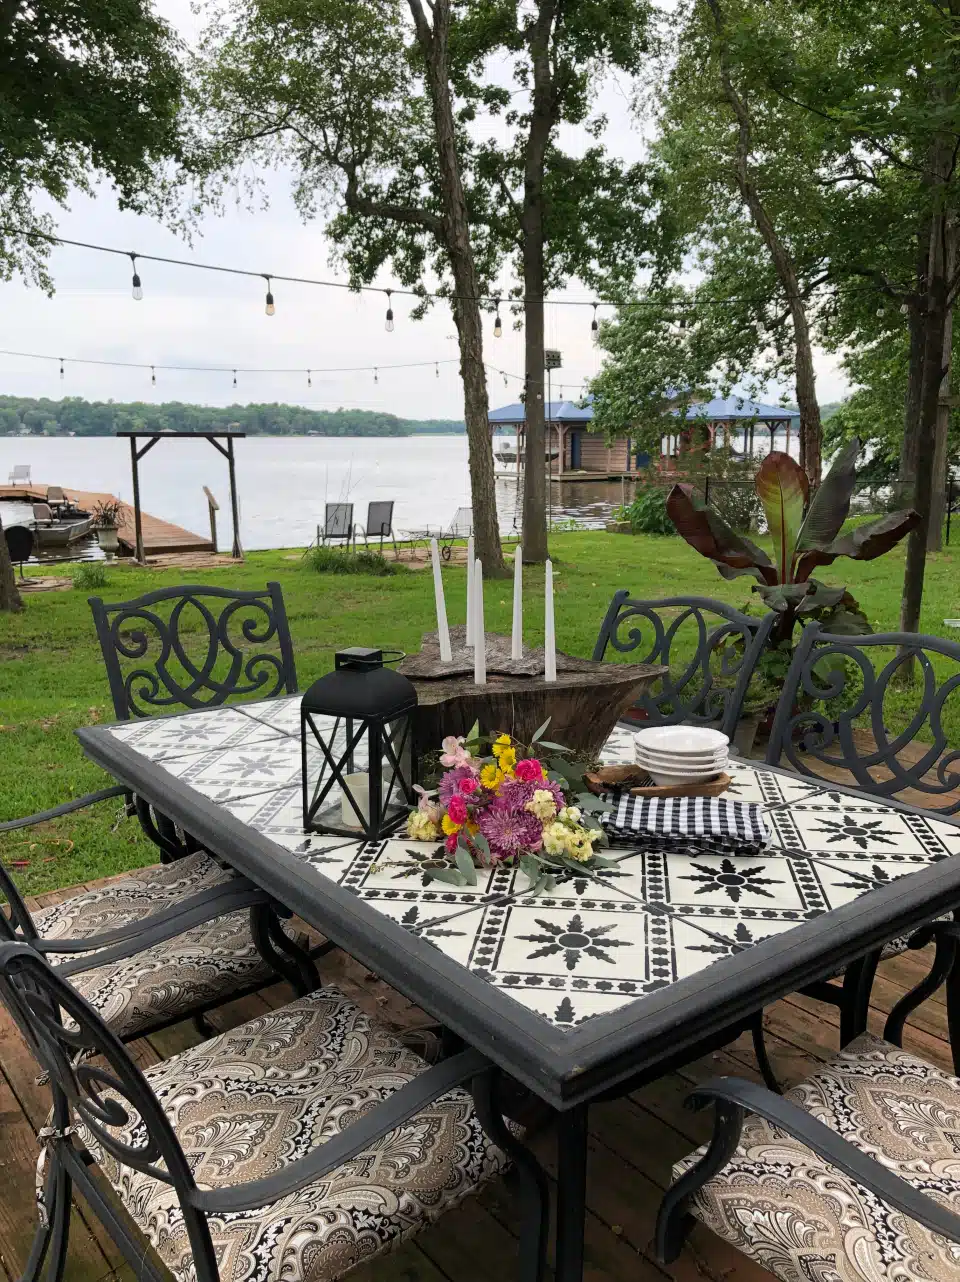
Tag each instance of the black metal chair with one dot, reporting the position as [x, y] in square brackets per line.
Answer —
[711, 649]
[835, 682]
[297, 1145]
[379, 524]
[338, 524]
[461, 527]
[194, 647]
[852, 1177]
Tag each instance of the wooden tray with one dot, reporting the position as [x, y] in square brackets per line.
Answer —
[629, 779]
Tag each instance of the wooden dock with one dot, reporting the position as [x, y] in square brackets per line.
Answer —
[633, 1143]
[159, 537]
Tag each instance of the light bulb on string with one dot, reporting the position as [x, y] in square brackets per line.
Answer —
[595, 326]
[153, 376]
[137, 287]
[309, 379]
[269, 308]
[62, 375]
[904, 309]
[505, 383]
[376, 375]
[388, 325]
[497, 323]
[437, 367]
[881, 312]
[234, 378]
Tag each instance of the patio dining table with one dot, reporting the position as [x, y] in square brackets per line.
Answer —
[606, 980]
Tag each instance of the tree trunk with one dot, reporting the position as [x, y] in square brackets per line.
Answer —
[811, 430]
[938, 496]
[907, 473]
[9, 596]
[542, 121]
[934, 314]
[434, 45]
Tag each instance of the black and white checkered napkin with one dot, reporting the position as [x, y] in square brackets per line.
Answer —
[715, 823]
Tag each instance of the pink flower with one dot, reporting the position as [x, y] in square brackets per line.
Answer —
[454, 753]
[529, 770]
[516, 792]
[450, 783]
[457, 809]
[450, 845]
[510, 831]
[469, 785]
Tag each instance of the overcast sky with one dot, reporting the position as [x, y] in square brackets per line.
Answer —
[201, 318]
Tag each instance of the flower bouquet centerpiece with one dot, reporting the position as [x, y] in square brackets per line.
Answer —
[510, 806]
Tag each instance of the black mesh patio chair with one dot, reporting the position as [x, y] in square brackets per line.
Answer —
[379, 524]
[878, 713]
[711, 649]
[852, 1177]
[298, 1145]
[338, 524]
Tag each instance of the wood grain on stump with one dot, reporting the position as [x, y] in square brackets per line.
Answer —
[583, 704]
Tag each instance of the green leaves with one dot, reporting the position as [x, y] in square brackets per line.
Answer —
[783, 488]
[831, 503]
[464, 861]
[864, 543]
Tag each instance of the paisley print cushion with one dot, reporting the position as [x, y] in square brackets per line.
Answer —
[805, 1221]
[203, 965]
[250, 1101]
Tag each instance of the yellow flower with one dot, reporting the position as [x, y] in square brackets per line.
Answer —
[555, 839]
[501, 743]
[449, 827]
[508, 759]
[420, 827]
[542, 804]
[491, 776]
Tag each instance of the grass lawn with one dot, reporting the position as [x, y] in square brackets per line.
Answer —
[52, 678]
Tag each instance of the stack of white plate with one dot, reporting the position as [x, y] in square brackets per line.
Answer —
[674, 755]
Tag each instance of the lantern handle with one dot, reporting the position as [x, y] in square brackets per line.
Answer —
[393, 656]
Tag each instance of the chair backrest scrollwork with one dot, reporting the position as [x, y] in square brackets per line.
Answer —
[194, 647]
[710, 647]
[880, 713]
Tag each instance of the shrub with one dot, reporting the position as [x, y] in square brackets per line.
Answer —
[90, 574]
[338, 560]
[647, 513]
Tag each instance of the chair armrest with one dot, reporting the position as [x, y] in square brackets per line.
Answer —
[143, 935]
[386, 1117]
[79, 803]
[830, 1147]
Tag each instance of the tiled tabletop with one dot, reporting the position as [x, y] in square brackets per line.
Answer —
[597, 942]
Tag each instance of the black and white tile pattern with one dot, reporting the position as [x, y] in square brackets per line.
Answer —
[598, 941]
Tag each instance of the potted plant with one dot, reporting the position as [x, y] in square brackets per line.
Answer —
[806, 533]
[108, 516]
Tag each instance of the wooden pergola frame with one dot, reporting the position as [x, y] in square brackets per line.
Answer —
[214, 438]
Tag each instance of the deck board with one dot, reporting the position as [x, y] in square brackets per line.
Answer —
[632, 1144]
[159, 536]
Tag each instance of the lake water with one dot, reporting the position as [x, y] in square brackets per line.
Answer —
[284, 482]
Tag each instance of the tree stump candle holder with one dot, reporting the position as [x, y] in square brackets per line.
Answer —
[583, 704]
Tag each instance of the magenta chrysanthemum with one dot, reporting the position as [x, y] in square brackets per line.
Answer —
[516, 792]
[510, 830]
[450, 783]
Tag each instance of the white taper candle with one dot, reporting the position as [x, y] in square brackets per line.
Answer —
[516, 648]
[479, 634]
[549, 635]
[470, 590]
[443, 632]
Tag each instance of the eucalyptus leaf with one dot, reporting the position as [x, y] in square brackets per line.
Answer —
[556, 747]
[481, 843]
[540, 887]
[531, 868]
[465, 864]
[453, 876]
[541, 731]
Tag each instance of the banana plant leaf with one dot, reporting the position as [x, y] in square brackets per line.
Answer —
[865, 543]
[710, 535]
[783, 489]
[802, 598]
[831, 503]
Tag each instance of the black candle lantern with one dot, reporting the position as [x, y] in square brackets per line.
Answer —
[356, 734]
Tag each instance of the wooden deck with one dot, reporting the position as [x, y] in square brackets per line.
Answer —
[633, 1144]
[159, 536]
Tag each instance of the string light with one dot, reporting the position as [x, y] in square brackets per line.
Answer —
[153, 376]
[389, 322]
[904, 309]
[595, 325]
[376, 376]
[269, 309]
[437, 368]
[881, 312]
[497, 324]
[62, 375]
[234, 378]
[137, 287]
[309, 379]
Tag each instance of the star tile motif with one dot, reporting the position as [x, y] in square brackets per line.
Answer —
[594, 943]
